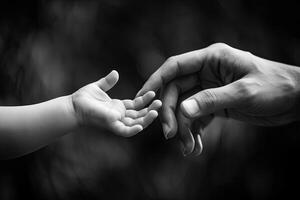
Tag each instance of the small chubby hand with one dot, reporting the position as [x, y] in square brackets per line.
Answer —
[92, 106]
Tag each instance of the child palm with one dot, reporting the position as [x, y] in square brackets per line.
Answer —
[124, 117]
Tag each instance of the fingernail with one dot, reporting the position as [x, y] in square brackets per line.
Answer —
[166, 130]
[183, 149]
[185, 152]
[190, 107]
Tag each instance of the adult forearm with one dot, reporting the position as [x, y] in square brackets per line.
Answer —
[24, 129]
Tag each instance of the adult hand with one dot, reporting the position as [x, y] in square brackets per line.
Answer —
[236, 83]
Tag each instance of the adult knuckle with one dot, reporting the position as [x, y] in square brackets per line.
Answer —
[248, 89]
[249, 54]
[220, 46]
[207, 99]
[170, 68]
[223, 49]
[171, 60]
[219, 50]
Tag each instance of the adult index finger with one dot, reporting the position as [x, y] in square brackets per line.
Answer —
[174, 67]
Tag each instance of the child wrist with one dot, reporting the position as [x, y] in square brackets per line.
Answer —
[72, 117]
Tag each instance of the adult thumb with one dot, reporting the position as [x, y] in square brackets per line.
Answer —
[209, 101]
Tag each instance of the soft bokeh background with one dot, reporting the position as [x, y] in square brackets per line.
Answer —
[52, 48]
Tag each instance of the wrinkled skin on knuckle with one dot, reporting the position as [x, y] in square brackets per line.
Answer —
[218, 53]
[218, 50]
[243, 61]
[207, 101]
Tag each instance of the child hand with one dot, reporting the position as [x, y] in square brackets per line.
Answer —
[124, 117]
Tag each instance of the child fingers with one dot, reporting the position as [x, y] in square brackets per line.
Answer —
[155, 105]
[149, 118]
[143, 121]
[127, 131]
[108, 81]
[129, 121]
[133, 114]
[139, 102]
[128, 103]
[142, 101]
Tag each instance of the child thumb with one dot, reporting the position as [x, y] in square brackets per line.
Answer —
[108, 81]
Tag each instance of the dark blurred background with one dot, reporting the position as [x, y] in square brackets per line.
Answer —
[52, 48]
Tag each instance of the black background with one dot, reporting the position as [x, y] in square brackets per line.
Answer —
[52, 48]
